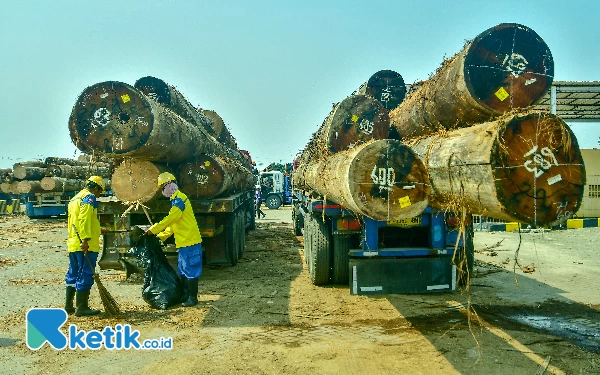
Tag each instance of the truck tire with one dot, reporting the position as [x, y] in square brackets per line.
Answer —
[273, 201]
[298, 221]
[308, 241]
[250, 218]
[466, 258]
[341, 259]
[231, 239]
[242, 232]
[320, 252]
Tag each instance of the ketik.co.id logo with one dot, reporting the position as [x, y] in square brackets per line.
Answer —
[43, 325]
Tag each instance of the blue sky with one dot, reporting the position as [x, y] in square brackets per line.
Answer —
[271, 69]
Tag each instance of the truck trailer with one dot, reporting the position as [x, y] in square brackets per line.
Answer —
[223, 223]
[430, 252]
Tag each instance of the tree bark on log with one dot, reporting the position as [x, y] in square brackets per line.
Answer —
[385, 86]
[29, 173]
[118, 120]
[30, 163]
[382, 179]
[170, 97]
[524, 167]
[79, 172]
[136, 180]
[357, 119]
[504, 68]
[220, 130]
[211, 176]
[29, 187]
[63, 161]
[61, 184]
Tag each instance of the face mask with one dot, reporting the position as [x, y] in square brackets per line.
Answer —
[169, 189]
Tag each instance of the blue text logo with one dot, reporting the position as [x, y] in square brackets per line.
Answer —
[43, 325]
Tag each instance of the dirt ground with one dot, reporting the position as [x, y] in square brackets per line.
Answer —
[263, 316]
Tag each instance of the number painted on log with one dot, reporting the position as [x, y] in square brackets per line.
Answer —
[384, 177]
[561, 211]
[538, 164]
[385, 95]
[515, 63]
[366, 126]
[202, 179]
[102, 116]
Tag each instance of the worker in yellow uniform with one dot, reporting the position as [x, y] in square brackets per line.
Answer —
[84, 239]
[182, 223]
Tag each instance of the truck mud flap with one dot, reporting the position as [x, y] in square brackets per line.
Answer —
[402, 275]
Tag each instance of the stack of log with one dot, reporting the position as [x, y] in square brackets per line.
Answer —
[51, 175]
[481, 145]
[350, 160]
[150, 128]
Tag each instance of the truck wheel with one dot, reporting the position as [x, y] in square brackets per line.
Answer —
[231, 241]
[466, 258]
[298, 221]
[273, 201]
[250, 218]
[242, 232]
[308, 241]
[320, 252]
[341, 259]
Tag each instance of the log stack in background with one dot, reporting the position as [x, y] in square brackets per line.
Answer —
[151, 128]
[52, 175]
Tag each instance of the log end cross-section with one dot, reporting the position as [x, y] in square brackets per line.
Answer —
[388, 181]
[112, 118]
[538, 169]
[508, 66]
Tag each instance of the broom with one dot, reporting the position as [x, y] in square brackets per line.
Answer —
[111, 307]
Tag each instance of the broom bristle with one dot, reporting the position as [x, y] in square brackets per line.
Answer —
[111, 307]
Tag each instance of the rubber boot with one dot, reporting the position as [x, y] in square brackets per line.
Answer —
[193, 288]
[81, 304]
[70, 295]
[186, 294]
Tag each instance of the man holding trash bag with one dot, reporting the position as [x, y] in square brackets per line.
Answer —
[84, 239]
[181, 222]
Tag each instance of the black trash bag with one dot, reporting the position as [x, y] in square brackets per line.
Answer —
[162, 286]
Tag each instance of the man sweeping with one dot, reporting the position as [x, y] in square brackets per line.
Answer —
[182, 223]
[84, 239]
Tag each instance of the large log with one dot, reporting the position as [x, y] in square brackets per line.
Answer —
[504, 68]
[169, 96]
[524, 167]
[387, 87]
[79, 172]
[136, 180]
[63, 161]
[10, 187]
[118, 120]
[6, 174]
[356, 119]
[29, 173]
[211, 176]
[29, 187]
[382, 179]
[30, 163]
[61, 184]
[219, 129]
